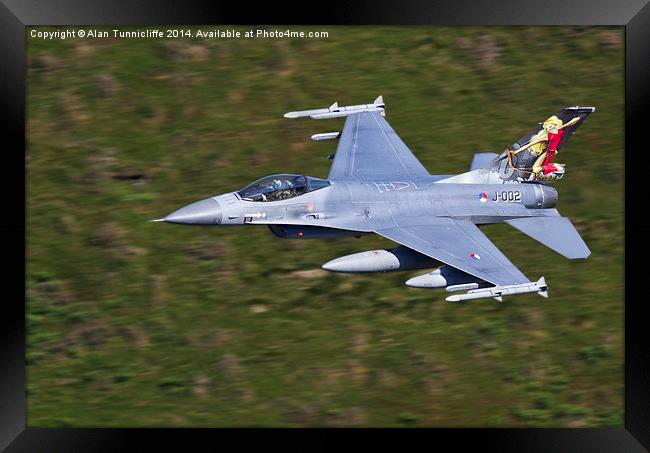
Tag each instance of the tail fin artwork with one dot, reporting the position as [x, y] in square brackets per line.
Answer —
[531, 157]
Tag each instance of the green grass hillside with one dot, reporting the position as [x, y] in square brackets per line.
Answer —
[132, 323]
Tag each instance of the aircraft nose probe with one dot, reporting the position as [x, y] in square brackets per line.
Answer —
[204, 212]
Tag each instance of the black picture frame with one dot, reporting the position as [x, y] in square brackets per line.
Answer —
[15, 15]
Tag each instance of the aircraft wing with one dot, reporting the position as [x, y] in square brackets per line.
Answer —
[458, 243]
[369, 149]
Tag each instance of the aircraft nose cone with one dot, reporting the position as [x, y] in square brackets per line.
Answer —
[204, 212]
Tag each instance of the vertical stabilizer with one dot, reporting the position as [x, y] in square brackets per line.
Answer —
[534, 156]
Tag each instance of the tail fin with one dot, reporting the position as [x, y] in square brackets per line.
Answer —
[525, 156]
[530, 157]
[480, 160]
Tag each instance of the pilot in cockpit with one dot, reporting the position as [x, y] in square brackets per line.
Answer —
[280, 187]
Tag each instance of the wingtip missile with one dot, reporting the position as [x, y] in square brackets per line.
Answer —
[341, 113]
[303, 113]
[543, 287]
[325, 136]
[583, 107]
[336, 111]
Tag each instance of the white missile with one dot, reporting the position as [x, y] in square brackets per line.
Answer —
[345, 111]
[302, 113]
[497, 292]
[335, 111]
[325, 136]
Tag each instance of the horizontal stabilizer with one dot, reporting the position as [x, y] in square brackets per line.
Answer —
[481, 160]
[556, 233]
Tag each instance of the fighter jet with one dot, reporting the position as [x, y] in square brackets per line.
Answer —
[376, 185]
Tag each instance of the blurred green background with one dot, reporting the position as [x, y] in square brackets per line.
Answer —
[132, 323]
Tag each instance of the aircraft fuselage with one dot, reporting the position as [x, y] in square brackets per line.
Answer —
[365, 206]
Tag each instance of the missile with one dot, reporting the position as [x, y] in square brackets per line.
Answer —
[303, 113]
[336, 111]
[577, 107]
[325, 136]
[399, 258]
[345, 111]
[497, 292]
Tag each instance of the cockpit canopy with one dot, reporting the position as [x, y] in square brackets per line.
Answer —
[281, 187]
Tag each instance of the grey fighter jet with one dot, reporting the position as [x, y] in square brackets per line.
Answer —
[376, 185]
